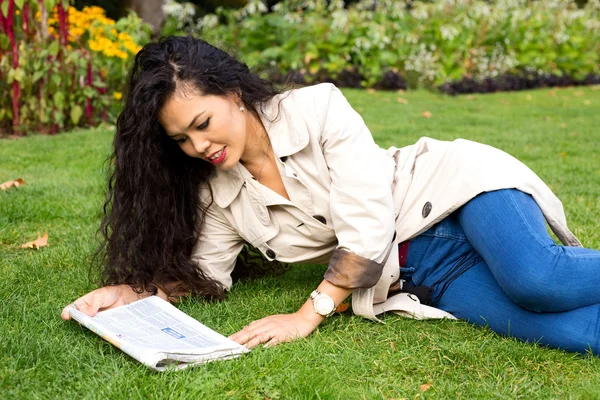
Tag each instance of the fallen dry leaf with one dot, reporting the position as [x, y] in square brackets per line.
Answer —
[426, 114]
[371, 90]
[39, 242]
[587, 102]
[528, 97]
[402, 100]
[563, 125]
[503, 101]
[552, 93]
[392, 345]
[578, 94]
[425, 387]
[471, 97]
[400, 91]
[8, 184]
[563, 154]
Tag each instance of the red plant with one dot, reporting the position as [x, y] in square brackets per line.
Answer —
[8, 27]
[63, 29]
[88, 81]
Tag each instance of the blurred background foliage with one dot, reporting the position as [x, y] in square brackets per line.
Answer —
[64, 62]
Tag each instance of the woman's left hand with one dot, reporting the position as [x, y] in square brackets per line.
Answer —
[275, 329]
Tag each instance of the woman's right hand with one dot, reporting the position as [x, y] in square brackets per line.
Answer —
[102, 299]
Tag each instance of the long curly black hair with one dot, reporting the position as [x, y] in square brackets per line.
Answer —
[152, 213]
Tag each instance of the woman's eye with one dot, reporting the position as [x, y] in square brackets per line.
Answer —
[181, 140]
[204, 125]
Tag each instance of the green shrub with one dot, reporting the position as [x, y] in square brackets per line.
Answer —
[429, 44]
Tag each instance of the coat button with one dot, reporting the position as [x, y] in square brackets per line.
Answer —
[271, 253]
[283, 159]
[321, 219]
[426, 209]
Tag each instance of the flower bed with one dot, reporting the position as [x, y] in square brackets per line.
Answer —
[63, 67]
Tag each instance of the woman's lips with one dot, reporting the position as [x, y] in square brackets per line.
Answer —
[220, 158]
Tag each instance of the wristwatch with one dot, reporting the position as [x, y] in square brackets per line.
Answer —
[323, 304]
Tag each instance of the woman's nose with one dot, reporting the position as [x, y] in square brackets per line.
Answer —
[201, 145]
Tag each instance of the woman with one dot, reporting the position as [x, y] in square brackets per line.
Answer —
[208, 157]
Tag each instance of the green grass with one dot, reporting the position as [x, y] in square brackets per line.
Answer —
[347, 357]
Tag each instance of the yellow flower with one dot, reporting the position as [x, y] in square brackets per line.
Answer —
[94, 46]
[105, 21]
[132, 47]
[124, 37]
[76, 32]
[93, 10]
[117, 95]
[110, 51]
[18, 12]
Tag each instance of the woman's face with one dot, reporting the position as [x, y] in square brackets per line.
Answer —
[208, 127]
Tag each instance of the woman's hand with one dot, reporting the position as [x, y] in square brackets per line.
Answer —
[275, 329]
[288, 327]
[105, 298]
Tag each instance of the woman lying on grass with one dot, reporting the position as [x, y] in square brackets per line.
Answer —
[208, 156]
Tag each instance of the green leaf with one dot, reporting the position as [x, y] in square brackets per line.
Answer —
[99, 84]
[74, 57]
[19, 74]
[49, 4]
[89, 92]
[16, 74]
[58, 117]
[53, 48]
[76, 113]
[4, 42]
[37, 76]
[4, 8]
[59, 100]
[56, 79]
[19, 4]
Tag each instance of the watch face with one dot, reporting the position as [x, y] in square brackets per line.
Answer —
[324, 305]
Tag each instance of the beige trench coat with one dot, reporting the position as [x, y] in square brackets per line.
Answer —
[350, 202]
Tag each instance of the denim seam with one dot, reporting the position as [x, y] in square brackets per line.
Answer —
[446, 236]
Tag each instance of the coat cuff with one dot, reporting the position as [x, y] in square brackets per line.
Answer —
[351, 271]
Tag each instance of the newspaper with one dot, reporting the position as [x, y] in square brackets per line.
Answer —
[159, 335]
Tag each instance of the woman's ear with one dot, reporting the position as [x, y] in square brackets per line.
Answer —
[236, 97]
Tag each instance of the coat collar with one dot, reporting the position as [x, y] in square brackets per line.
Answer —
[288, 134]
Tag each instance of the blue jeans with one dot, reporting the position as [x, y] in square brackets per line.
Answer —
[493, 263]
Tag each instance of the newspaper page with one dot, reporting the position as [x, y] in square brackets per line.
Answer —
[159, 335]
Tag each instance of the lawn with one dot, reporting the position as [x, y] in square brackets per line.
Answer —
[554, 131]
